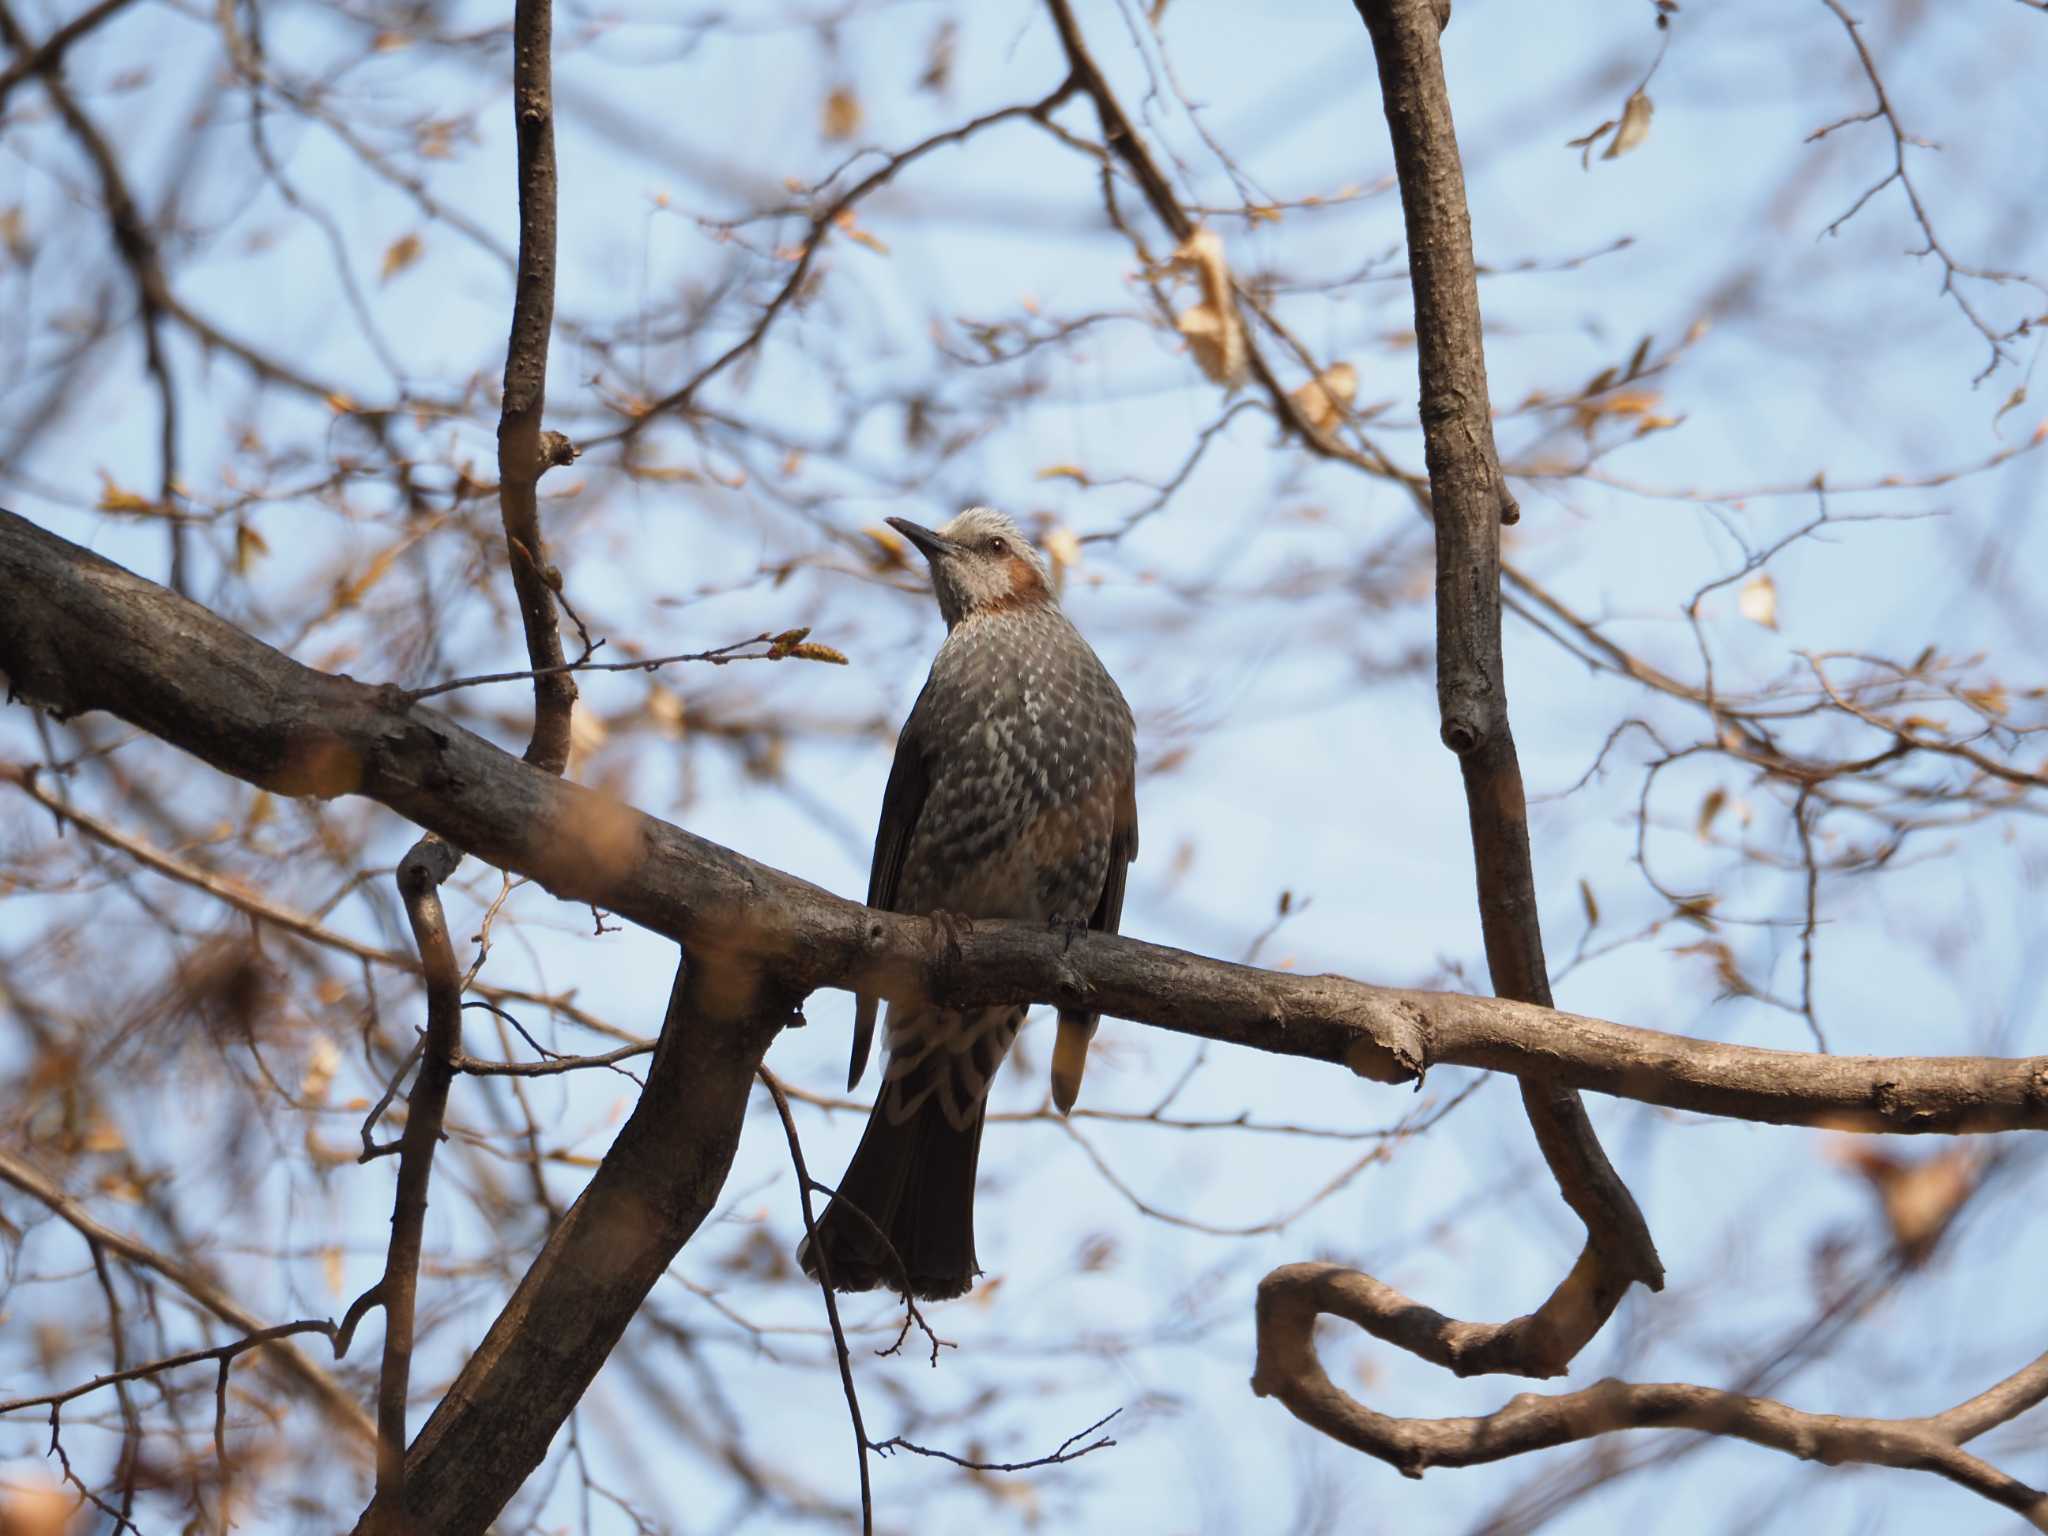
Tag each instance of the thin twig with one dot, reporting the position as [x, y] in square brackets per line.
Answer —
[803, 1184]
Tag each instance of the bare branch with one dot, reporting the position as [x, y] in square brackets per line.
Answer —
[1470, 501]
[334, 1400]
[84, 634]
[1293, 1297]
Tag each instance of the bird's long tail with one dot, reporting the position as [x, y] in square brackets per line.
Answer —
[903, 1214]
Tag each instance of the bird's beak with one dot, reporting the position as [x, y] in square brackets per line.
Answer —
[929, 544]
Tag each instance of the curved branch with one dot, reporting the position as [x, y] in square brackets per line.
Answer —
[1469, 501]
[1293, 1297]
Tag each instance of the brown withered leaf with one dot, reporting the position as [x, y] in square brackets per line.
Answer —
[1726, 971]
[938, 58]
[14, 234]
[1324, 398]
[890, 551]
[1710, 808]
[249, 547]
[848, 226]
[1635, 126]
[1585, 143]
[1919, 1198]
[842, 114]
[398, 255]
[118, 498]
[1214, 334]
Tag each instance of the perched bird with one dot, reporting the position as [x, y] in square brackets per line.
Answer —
[1012, 796]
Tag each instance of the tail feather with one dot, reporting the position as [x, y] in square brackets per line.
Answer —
[903, 1216]
[1070, 1058]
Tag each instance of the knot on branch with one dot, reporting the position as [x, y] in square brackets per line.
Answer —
[1463, 729]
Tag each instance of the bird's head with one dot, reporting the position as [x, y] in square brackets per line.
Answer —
[980, 564]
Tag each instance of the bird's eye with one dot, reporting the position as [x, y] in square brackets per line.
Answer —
[997, 546]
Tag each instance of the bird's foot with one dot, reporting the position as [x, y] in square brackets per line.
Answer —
[1069, 928]
[950, 928]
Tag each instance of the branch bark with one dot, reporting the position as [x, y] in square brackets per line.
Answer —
[1293, 1297]
[523, 455]
[649, 1195]
[1469, 502]
[420, 874]
[79, 633]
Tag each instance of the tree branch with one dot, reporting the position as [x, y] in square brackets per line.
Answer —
[655, 1186]
[1469, 501]
[522, 455]
[334, 1400]
[1293, 1297]
[420, 874]
[80, 633]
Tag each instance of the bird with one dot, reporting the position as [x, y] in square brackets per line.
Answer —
[1013, 794]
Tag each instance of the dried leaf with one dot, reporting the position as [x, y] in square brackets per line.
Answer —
[847, 226]
[890, 550]
[665, 709]
[938, 58]
[1214, 334]
[842, 117]
[587, 734]
[398, 255]
[1733, 983]
[1635, 126]
[1585, 142]
[1592, 907]
[249, 547]
[321, 1065]
[1217, 342]
[1993, 700]
[1919, 1199]
[350, 592]
[14, 234]
[1758, 600]
[1323, 399]
[1710, 808]
[1697, 909]
[117, 498]
[1072, 472]
[1064, 546]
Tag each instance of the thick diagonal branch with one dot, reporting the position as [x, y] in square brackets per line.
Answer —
[79, 633]
[653, 1189]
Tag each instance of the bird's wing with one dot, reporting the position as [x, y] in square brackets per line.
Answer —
[1123, 847]
[902, 804]
[1070, 1046]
